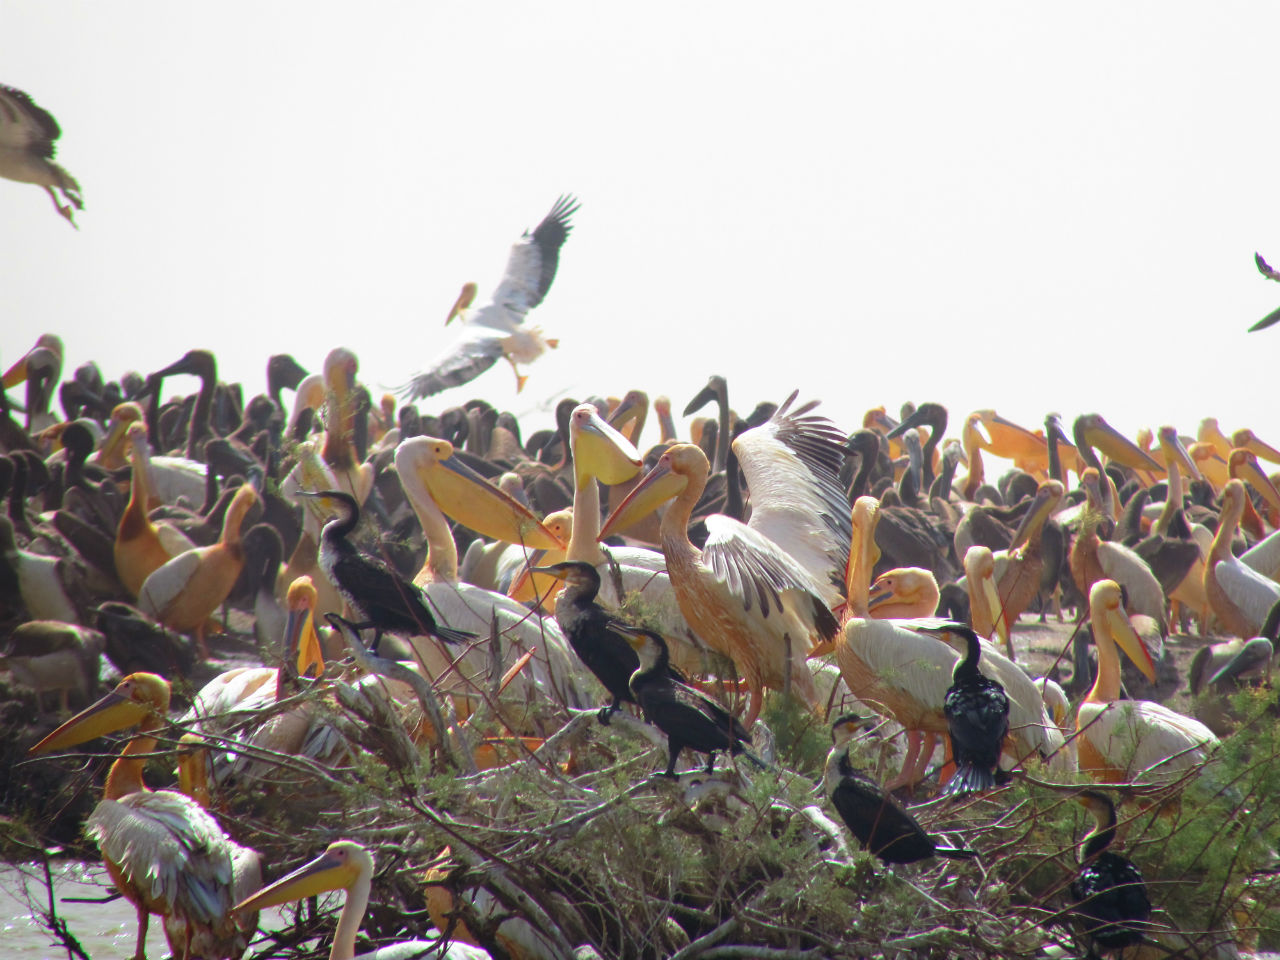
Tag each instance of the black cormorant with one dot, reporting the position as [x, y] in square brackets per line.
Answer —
[1109, 892]
[377, 594]
[977, 712]
[879, 822]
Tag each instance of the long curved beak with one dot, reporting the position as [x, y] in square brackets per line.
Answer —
[1256, 652]
[1046, 498]
[1175, 452]
[705, 395]
[1246, 438]
[599, 450]
[1243, 464]
[1009, 440]
[658, 486]
[321, 875]
[465, 496]
[630, 414]
[113, 712]
[1122, 632]
[1117, 446]
[300, 636]
[992, 598]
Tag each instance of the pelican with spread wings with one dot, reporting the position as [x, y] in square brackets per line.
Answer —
[497, 329]
[27, 141]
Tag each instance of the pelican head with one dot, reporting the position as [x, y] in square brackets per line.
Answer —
[342, 864]
[904, 592]
[140, 699]
[1107, 614]
[668, 479]
[599, 450]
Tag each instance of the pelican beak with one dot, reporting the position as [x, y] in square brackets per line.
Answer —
[879, 594]
[1046, 498]
[1245, 438]
[1174, 451]
[17, 373]
[992, 597]
[658, 486]
[1244, 464]
[914, 420]
[466, 497]
[1257, 651]
[599, 450]
[465, 299]
[321, 875]
[300, 636]
[1009, 440]
[1127, 638]
[708, 393]
[863, 553]
[533, 586]
[113, 712]
[184, 365]
[1118, 447]
[626, 416]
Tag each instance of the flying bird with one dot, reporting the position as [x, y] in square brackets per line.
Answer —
[27, 143]
[1270, 273]
[497, 329]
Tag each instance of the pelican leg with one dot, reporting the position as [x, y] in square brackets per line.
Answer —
[520, 378]
[143, 918]
[754, 704]
[64, 211]
[200, 642]
[914, 740]
[926, 754]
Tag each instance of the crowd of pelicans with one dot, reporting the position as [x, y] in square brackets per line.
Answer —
[872, 574]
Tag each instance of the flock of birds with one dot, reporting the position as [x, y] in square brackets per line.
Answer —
[518, 576]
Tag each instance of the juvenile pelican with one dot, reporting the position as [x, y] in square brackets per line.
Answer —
[28, 135]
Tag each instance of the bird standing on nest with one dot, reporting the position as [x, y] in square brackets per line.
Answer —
[687, 716]
[879, 822]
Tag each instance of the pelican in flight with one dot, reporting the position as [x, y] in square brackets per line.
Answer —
[497, 328]
[27, 144]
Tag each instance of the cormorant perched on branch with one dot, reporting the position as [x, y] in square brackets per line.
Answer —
[590, 630]
[879, 822]
[1109, 892]
[377, 594]
[687, 716]
[977, 712]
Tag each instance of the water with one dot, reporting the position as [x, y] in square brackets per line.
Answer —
[106, 931]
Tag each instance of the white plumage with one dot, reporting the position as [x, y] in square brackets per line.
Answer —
[497, 328]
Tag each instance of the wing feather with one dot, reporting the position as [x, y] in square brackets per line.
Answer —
[791, 465]
[478, 349]
[26, 126]
[534, 259]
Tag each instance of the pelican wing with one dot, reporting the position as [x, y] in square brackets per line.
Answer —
[1264, 556]
[170, 848]
[1145, 741]
[532, 265]
[26, 126]
[758, 572]
[165, 584]
[791, 464]
[1248, 589]
[477, 349]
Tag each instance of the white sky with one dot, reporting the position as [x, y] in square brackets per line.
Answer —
[997, 205]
